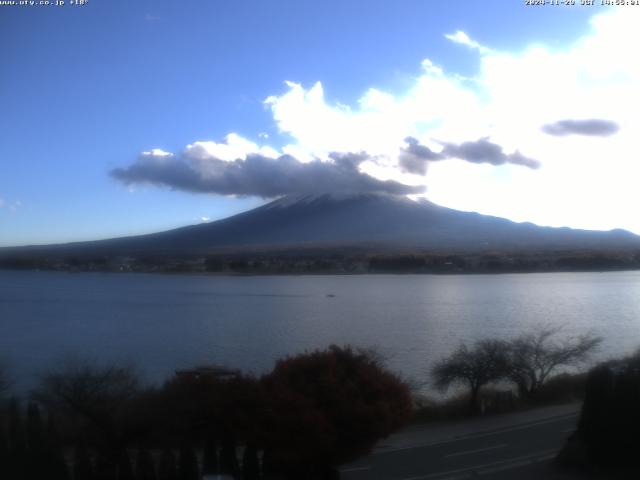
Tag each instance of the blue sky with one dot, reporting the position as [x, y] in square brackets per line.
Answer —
[87, 89]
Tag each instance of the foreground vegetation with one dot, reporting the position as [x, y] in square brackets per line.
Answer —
[312, 413]
[606, 440]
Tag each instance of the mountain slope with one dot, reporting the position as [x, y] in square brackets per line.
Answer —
[363, 220]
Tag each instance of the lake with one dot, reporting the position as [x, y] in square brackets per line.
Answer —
[164, 322]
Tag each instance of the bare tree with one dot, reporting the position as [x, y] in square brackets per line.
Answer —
[92, 393]
[475, 367]
[535, 356]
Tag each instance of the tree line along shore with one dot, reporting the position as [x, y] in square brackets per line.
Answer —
[329, 261]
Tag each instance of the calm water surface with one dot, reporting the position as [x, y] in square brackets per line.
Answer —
[162, 322]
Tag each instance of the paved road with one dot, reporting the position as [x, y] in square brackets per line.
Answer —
[485, 454]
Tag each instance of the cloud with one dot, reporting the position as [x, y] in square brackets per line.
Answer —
[151, 18]
[592, 128]
[414, 157]
[318, 128]
[11, 206]
[484, 151]
[507, 100]
[504, 104]
[257, 174]
[463, 39]
[233, 147]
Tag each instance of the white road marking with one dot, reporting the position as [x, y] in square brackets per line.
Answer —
[488, 467]
[478, 450]
[477, 435]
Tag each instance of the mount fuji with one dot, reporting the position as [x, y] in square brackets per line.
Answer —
[364, 221]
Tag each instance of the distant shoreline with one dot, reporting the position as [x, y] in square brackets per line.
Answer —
[333, 261]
